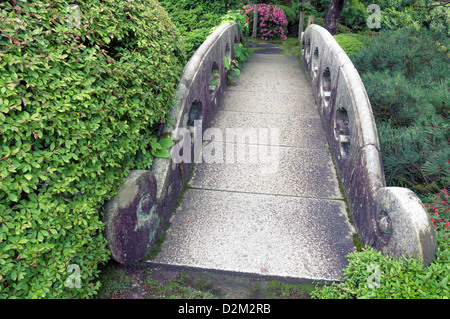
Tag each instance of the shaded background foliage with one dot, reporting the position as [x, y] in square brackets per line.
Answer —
[196, 18]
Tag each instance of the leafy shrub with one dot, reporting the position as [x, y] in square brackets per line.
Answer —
[351, 43]
[272, 22]
[354, 15]
[438, 18]
[370, 274]
[80, 102]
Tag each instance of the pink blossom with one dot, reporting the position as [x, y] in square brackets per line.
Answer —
[272, 18]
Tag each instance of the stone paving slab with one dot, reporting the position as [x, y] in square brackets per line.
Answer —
[300, 103]
[293, 237]
[294, 171]
[292, 130]
[269, 51]
[271, 80]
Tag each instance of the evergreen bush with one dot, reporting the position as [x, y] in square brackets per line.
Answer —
[405, 76]
[83, 90]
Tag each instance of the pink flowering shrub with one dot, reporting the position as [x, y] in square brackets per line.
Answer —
[272, 22]
[440, 210]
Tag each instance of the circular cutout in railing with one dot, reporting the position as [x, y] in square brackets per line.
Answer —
[326, 86]
[214, 80]
[315, 62]
[342, 131]
[195, 113]
[228, 51]
[307, 44]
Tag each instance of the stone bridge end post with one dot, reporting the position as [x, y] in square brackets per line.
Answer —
[405, 225]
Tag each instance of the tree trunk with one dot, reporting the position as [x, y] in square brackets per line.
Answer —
[334, 13]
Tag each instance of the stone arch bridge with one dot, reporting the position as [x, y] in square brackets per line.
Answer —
[272, 174]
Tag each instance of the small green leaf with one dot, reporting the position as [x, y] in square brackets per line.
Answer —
[161, 153]
[13, 197]
[166, 143]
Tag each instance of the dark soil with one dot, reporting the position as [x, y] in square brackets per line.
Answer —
[156, 282]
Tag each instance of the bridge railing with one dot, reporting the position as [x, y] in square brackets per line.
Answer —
[390, 219]
[137, 215]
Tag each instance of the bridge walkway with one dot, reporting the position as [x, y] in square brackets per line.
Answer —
[281, 215]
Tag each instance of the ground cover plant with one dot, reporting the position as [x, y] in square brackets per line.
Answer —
[83, 90]
[351, 43]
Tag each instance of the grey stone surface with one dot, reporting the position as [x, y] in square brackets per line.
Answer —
[279, 66]
[295, 172]
[271, 74]
[300, 103]
[131, 222]
[269, 206]
[402, 219]
[294, 130]
[302, 238]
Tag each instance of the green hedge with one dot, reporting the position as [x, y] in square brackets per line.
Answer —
[81, 94]
[351, 43]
